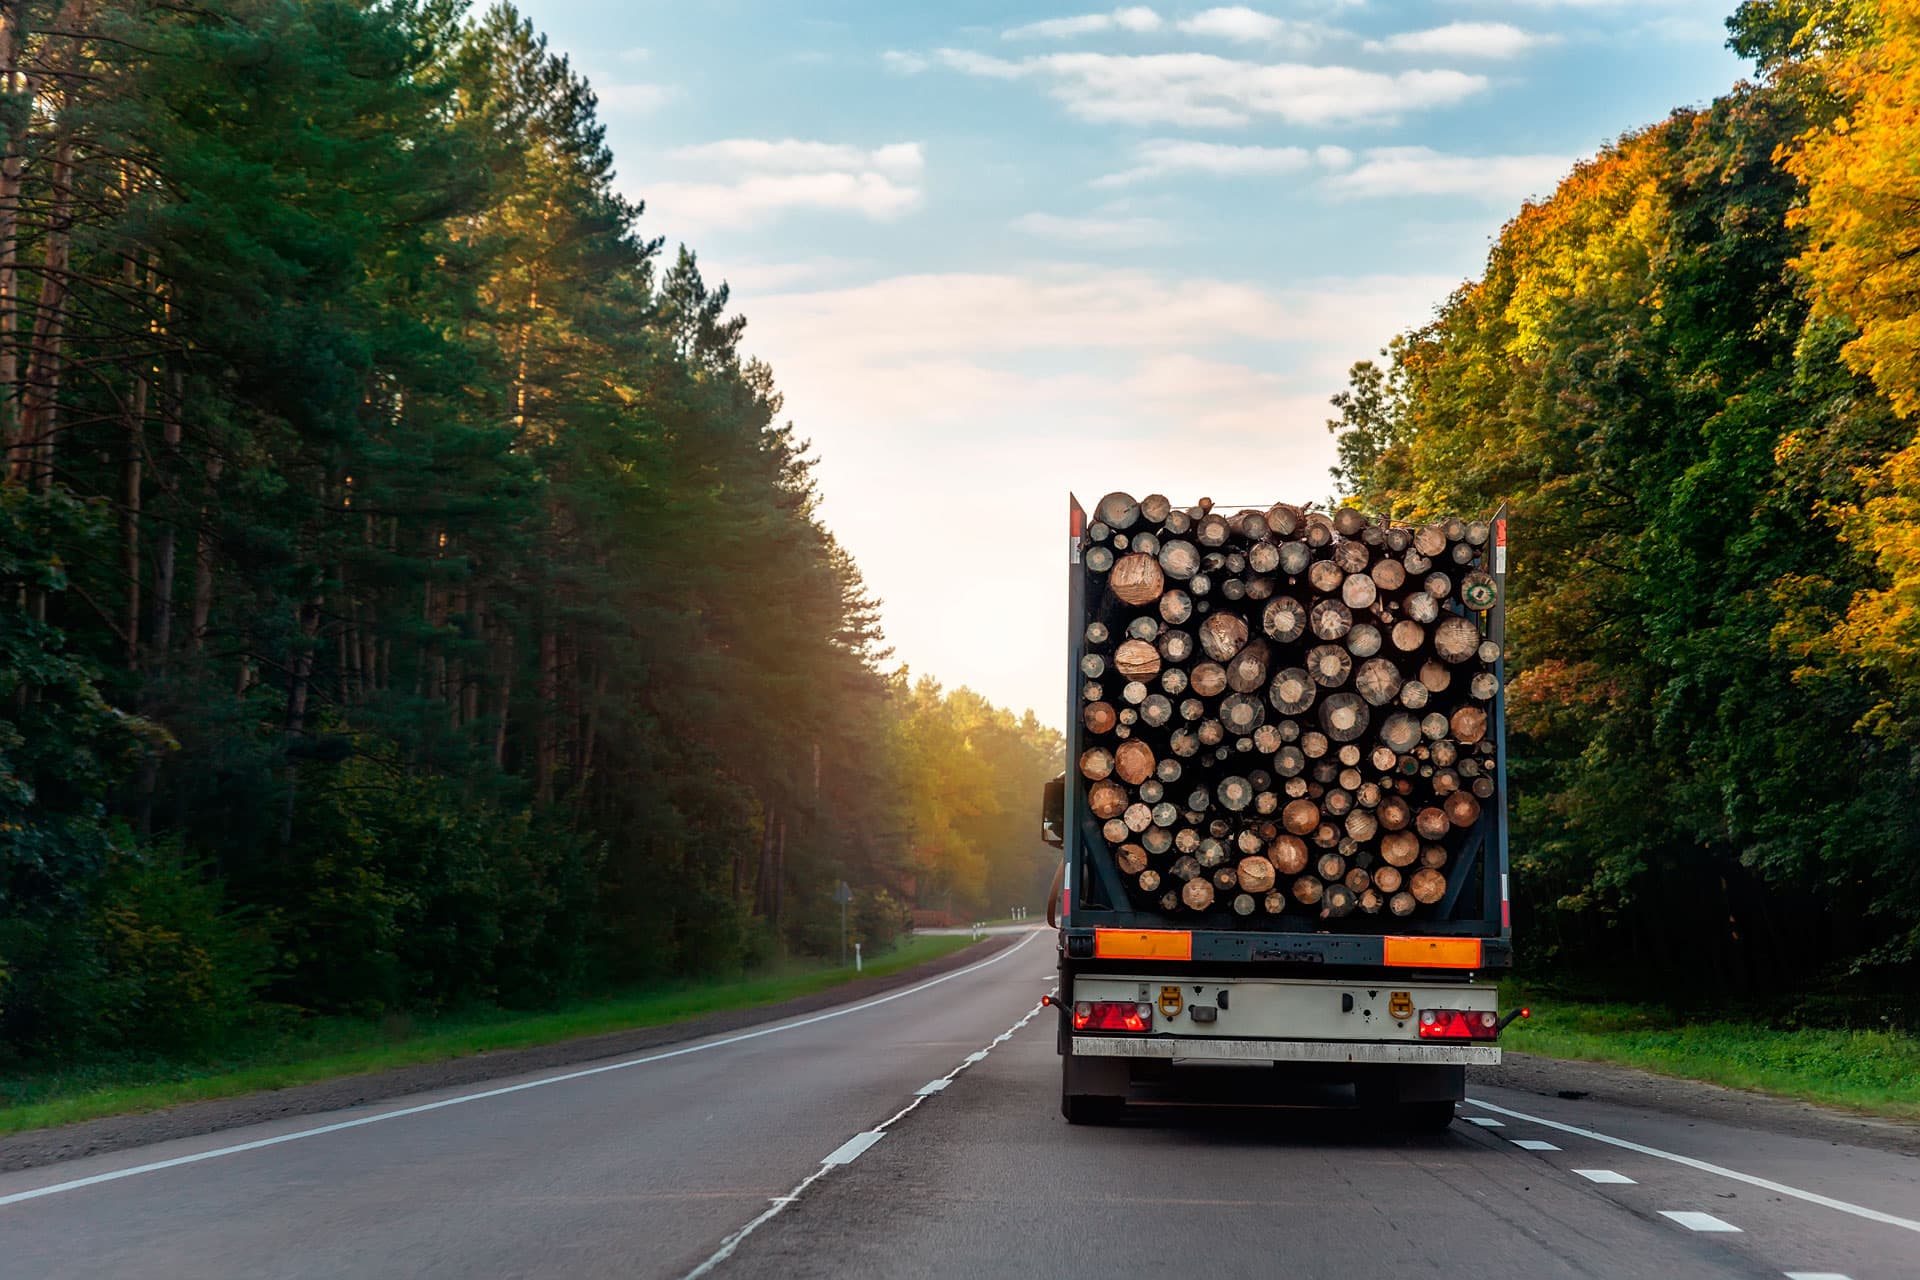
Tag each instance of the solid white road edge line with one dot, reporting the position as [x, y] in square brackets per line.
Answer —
[1811, 1197]
[156, 1166]
[1694, 1221]
[865, 1140]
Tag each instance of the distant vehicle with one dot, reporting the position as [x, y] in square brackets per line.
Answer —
[1284, 814]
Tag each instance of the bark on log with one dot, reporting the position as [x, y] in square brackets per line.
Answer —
[1137, 660]
[1136, 578]
[1222, 635]
[1329, 665]
[1292, 691]
[1331, 619]
[1300, 817]
[1400, 732]
[1285, 619]
[1325, 576]
[1288, 854]
[1096, 763]
[1352, 557]
[1463, 808]
[1133, 762]
[1378, 681]
[1256, 874]
[1247, 669]
[1179, 559]
[1394, 813]
[1209, 679]
[1456, 639]
[1117, 511]
[1242, 713]
[1197, 893]
[1469, 725]
[1399, 848]
[1344, 716]
[1427, 886]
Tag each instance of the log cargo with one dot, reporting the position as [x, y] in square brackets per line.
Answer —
[1284, 713]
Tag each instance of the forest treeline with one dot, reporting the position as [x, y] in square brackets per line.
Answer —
[409, 592]
[1693, 373]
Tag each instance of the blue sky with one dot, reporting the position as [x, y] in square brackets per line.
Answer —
[997, 252]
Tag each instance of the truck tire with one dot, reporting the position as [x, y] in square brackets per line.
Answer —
[1087, 1108]
[1424, 1117]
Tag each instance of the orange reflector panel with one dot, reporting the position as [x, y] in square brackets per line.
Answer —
[1434, 953]
[1142, 944]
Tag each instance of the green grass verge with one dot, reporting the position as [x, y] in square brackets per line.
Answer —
[1870, 1071]
[329, 1048]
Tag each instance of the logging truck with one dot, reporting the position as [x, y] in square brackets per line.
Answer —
[1283, 818]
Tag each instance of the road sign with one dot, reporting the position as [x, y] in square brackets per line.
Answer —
[842, 894]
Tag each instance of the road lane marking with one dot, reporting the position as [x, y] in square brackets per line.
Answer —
[1695, 1221]
[1486, 1122]
[1811, 1197]
[862, 1141]
[934, 1086]
[1532, 1144]
[258, 1144]
[1816, 1275]
[852, 1149]
[1607, 1176]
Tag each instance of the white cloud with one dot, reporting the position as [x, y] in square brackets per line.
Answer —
[635, 96]
[1137, 18]
[904, 63]
[741, 181]
[1095, 232]
[1162, 157]
[793, 155]
[1250, 26]
[1415, 171]
[1464, 40]
[1203, 90]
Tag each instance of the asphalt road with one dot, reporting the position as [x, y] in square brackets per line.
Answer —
[754, 1154]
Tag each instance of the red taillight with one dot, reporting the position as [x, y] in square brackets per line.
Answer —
[1459, 1024]
[1111, 1015]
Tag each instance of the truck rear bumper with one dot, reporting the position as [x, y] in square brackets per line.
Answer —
[1224, 1050]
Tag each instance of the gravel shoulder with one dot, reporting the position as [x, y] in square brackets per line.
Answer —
[117, 1133]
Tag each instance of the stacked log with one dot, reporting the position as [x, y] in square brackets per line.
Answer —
[1285, 711]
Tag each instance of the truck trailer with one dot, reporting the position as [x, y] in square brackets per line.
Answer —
[1283, 817]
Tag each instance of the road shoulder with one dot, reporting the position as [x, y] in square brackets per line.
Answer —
[38, 1147]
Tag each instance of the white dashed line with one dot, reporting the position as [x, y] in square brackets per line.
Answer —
[1532, 1144]
[1815, 1275]
[853, 1148]
[1607, 1176]
[1767, 1184]
[1486, 1122]
[934, 1086]
[1693, 1221]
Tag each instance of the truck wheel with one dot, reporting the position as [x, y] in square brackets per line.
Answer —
[1424, 1117]
[1087, 1108]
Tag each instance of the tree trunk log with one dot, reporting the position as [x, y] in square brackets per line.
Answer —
[1131, 858]
[1179, 559]
[1408, 635]
[1292, 691]
[1469, 725]
[1247, 669]
[1197, 893]
[1456, 639]
[1133, 762]
[1400, 848]
[1431, 823]
[1329, 665]
[1117, 511]
[1344, 716]
[1463, 809]
[1301, 817]
[1325, 576]
[1222, 635]
[1307, 891]
[1427, 886]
